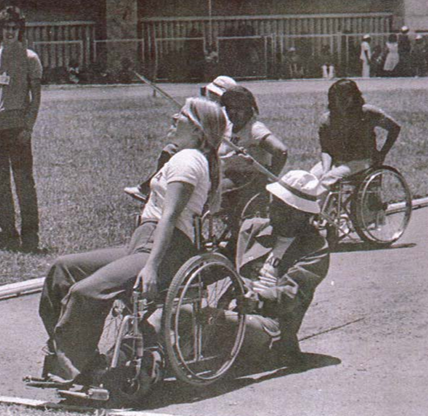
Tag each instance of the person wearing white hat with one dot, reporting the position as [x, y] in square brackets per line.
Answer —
[282, 260]
[419, 57]
[365, 56]
[404, 50]
[215, 89]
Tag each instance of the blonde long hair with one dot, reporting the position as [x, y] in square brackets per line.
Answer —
[209, 117]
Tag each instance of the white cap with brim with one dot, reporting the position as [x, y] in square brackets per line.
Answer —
[298, 189]
[221, 84]
[365, 37]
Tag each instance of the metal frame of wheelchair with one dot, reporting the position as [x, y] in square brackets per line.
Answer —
[204, 290]
[374, 205]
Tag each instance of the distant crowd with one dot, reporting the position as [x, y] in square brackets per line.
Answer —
[400, 56]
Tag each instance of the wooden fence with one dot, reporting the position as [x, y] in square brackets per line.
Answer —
[59, 43]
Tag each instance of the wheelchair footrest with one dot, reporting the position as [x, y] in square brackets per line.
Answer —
[43, 383]
[92, 393]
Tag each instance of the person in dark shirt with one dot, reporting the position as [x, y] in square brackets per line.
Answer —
[404, 50]
[347, 134]
[282, 260]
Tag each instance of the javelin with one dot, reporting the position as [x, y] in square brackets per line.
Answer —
[258, 166]
[159, 90]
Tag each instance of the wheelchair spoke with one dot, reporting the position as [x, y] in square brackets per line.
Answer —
[384, 203]
[203, 345]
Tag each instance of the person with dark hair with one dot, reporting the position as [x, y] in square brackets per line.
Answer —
[20, 91]
[80, 289]
[347, 134]
[240, 179]
[250, 134]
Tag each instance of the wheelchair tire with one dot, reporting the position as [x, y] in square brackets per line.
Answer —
[382, 207]
[199, 348]
[214, 229]
[257, 206]
[127, 379]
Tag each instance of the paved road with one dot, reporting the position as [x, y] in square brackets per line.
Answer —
[367, 332]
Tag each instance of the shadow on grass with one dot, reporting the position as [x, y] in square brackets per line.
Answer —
[241, 376]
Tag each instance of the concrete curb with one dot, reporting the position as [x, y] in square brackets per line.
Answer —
[35, 285]
[40, 404]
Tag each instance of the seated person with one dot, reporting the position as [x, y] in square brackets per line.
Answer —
[347, 135]
[81, 288]
[213, 91]
[240, 179]
[282, 260]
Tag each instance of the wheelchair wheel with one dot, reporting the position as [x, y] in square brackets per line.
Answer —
[257, 206]
[201, 343]
[128, 379]
[214, 229]
[382, 207]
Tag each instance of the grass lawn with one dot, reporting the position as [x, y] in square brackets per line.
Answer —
[87, 150]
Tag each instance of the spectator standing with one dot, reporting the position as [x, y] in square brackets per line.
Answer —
[73, 72]
[294, 64]
[376, 67]
[419, 57]
[327, 64]
[365, 56]
[392, 57]
[20, 91]
[404, 49]
[211, 62]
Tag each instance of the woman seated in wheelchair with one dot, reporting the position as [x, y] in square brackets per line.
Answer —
[241, 180]
[347, 135]
[80, 288]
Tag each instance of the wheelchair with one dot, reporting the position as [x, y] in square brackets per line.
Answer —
[374, 205]
[192, 341]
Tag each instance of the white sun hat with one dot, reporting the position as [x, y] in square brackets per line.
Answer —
[221, 84]
[298, 189]
[367, 36]
[404, 29]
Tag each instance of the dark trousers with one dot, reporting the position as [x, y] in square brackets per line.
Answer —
[81, 288]
[18, 158]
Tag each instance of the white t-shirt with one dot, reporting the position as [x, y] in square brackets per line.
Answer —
[250, 138]
[365, 47]
[189, 166]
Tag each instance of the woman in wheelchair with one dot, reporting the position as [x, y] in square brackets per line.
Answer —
[241, 180]
[80, 288]
[347, 135]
